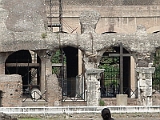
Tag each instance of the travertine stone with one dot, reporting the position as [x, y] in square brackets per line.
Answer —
[121, 99]
[93, 86]
[145, 84]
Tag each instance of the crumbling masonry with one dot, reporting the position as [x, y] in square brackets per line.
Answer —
[25, 29]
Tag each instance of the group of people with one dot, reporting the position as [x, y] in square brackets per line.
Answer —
[106, 114]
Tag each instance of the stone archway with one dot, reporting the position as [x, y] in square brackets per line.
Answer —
[26, 64]
[114, 72]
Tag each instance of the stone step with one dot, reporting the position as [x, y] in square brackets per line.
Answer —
[112, 101]
[74, 103]
[132, 102]
[31, 103]
[109, 101]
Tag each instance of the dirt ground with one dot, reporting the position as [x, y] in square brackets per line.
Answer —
[136, 116]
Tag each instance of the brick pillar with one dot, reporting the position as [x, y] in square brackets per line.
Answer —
[145, 85]
[54, 91]
[11, 87]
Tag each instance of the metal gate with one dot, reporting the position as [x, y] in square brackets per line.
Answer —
[73, 88]
[156, 75]
[110, 79]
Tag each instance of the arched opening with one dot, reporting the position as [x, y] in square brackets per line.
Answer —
[116, 77]
[27, 64]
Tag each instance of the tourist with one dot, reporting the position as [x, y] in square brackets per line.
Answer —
[106, 114]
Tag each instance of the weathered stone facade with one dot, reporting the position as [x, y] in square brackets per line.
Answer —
[145, 84]
[23, 27]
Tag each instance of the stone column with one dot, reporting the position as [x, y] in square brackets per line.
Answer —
[93, 86]
[3, 57]
[133, 78]
[43, 74]
[46, 68]
[145, 85]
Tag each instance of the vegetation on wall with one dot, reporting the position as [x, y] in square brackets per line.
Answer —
[57, 58]
[101, 102]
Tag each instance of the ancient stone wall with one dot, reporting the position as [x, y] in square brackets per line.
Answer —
[23, 26]
[54, 91]
[114, 18]
[25, 15]
[11, 87]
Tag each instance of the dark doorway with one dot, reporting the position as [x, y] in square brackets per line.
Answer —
[111, 78]
[72, 69]
[21, 63]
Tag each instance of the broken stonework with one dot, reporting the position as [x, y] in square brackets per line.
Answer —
[88, 20]
[11, 88]
[23, 28]
[145, 85]
[53, 91]
[93, 86]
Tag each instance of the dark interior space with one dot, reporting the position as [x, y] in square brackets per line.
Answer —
[25, 70]
[72, 69]
[22, 56]
[126, 75]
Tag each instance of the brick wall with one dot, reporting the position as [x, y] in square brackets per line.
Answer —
[54, 91]
[11, 88]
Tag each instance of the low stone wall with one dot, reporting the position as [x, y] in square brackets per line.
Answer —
[78, 109]
[11, 88]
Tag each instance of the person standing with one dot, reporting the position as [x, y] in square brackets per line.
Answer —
[106, 114]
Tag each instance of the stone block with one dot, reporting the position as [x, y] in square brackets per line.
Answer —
[121, 99]
[148, 82]
[142, 83]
